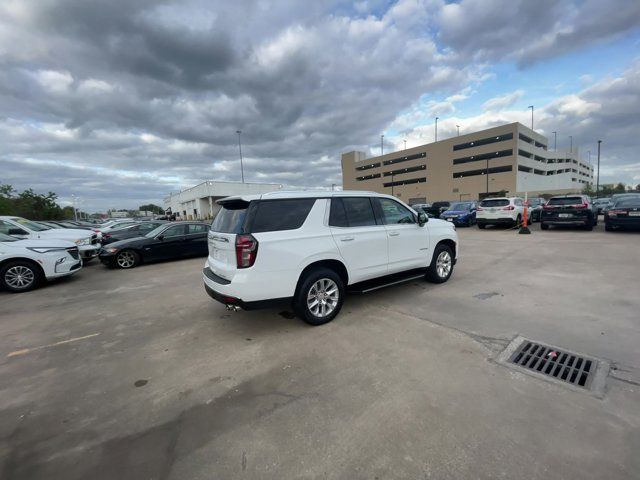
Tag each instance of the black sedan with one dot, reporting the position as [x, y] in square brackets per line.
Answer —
[130, 231]
[437, 208]
[168, 241]
[624, 213]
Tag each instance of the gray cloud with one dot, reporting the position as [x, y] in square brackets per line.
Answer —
[126, 99]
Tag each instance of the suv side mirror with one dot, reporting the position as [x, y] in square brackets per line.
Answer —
[160, 237]
[17, 231]
[422, 219]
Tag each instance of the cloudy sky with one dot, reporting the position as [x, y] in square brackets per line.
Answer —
[120, 102]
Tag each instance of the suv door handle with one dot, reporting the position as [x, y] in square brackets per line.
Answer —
[347, 239]
[394, 234]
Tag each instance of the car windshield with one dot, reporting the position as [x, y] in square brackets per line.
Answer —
[461, 206]
[7, 238]
[36, 227]
[495, 202]
[534, 202]
[156, 231]
[566, 201]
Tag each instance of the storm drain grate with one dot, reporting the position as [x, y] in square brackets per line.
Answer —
[553, 362]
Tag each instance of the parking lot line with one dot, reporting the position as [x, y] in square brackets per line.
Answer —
[24, 351]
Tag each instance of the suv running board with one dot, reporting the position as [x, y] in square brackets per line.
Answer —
[386, 281]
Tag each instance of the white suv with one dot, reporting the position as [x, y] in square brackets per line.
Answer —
[500, 211]
[24, 264]
[308, 248]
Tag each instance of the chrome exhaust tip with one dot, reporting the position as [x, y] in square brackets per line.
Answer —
[233, 308]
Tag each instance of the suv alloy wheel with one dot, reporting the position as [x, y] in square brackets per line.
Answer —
[20, 276]
[441, 266]
[319, 297]
[127, 259]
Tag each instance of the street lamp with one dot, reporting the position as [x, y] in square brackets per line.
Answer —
[555, 141]
[382, 144]
[531, 107]
[570, 143]
[458, 127]
[598, 180]
[437, 129]
[239, 132]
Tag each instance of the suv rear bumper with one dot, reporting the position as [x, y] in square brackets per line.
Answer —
[230, 300]
[495, 221]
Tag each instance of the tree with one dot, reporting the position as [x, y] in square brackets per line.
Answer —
[588, 189]
[620, 188]
[152, 208]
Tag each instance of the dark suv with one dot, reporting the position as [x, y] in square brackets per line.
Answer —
[570, 210]
[437, 208]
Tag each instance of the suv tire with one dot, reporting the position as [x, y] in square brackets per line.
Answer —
[518, 220]
[319, 297]
[441, 266]
[543, 226]
[481, 226]
[20, 276]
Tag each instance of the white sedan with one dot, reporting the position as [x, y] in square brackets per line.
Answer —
[25, 264]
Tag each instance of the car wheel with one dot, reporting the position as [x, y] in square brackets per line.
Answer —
[543, 226]
[441, 266]
[589, 225]
[319, 297]
[608, 227]
[518, 220]
[127, 259]
[481, 226]
[20, 276]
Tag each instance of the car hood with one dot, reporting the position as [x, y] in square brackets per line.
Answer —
[129, 242]
[65, 233]
[456, 212]
[41, 243]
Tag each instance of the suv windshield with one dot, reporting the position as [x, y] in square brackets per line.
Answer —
[440, 204]
[495, 202]
[461, 206]
[565, 201]
[629, 202]
[36, 227]
[7, 238]
[230, 217]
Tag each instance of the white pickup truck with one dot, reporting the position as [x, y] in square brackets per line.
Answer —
[86, 240]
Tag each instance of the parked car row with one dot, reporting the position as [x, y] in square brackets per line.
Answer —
[34, 251]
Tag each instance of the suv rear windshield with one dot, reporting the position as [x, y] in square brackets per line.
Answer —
[230, 217]
[631, 202]
[495, 202]
[276, 215]
[565, 201]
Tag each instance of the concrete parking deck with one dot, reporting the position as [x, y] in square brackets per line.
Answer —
[138, 374]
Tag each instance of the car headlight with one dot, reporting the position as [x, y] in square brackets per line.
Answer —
[111, 249]
[84, 241]
[46, 249]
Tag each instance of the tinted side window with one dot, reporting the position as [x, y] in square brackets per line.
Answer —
[337, 215]
[194, 228]
[230, 217]
[147, 227]
[174, 231]
[359, 212]
[5, 226]
[393, 212]
[276, 215]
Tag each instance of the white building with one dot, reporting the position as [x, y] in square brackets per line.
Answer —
[199, 202]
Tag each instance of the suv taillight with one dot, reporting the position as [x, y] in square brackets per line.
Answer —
[582, 205]
[615, 213]
[510, 207]
[479, 209]
[246, 250]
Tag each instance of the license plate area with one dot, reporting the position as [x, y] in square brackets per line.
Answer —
[565, 215]
[634, 214]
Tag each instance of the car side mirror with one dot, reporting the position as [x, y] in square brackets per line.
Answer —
[17, 231]
[160, 237]
[422, 218]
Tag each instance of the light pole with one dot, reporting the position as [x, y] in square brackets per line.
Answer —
[555, 141]
[239, 132]
[381, 145]
[531, 107]
[437, 129]
[458, 127]
[570, 143]
[598, 180]
[75, 211]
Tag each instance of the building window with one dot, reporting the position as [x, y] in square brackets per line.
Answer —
[483, 171]
[484, 141]
[367, 167]
[524, 153]
[406, 182]
[483, 156]
[405, 158]
[404, 170]
[368, 177]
